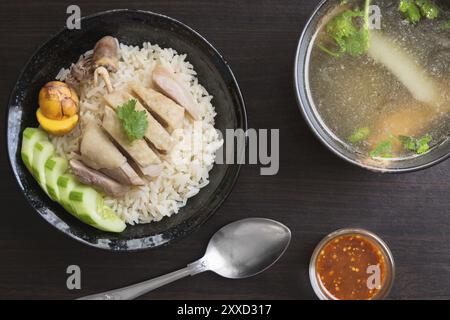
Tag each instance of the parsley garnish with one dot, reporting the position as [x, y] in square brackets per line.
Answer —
[414, 10]
[382, 150]
[134, 123]
[409, 143]
[359, 135]
[418, 146]
[350, 37]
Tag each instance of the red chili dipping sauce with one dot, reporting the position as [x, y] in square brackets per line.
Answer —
[353, 266]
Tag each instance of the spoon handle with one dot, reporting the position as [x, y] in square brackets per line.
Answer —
[136, 290]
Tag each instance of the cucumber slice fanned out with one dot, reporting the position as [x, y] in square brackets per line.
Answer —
[66, 183]
[86, 204]
[42, 151]
[110, 221]
[51, 172]
[89, 208]
[30, 137]
[54, 168]
[85, 201]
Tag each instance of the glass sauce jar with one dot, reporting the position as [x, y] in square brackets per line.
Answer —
[352, 264]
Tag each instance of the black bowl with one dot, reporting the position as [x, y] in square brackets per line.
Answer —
[133, 28]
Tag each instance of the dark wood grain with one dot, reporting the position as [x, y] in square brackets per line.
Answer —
[314, 192]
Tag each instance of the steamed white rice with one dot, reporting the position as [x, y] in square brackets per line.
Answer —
[186, 168]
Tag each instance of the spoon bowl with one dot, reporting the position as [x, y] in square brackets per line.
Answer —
[247, 247]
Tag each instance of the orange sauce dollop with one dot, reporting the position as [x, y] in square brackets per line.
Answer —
[346, 263]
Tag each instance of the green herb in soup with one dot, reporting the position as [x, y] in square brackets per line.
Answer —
[359, 135]
[382, 150]
[385, 149]
[350, 32]
[418, 146]
[390, 101]
[414, 10]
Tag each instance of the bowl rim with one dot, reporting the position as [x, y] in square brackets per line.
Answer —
[181, 233]
[306, 110]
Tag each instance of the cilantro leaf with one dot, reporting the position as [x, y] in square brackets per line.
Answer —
[382, 150]
[411, 10]
[134, 123]
[428, 9]
[423, 144]
[418, 146]
[359, 135]
[409, 143]
[414, 10]
[350, 37]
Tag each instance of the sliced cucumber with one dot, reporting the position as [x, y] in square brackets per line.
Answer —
[89, 208]
[50, 171]
[110, 221]
[66, 183]
[54, 168]
[42, 151]
[30, 137]
[87, 202]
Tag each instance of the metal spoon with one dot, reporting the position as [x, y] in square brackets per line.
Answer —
[239, 250]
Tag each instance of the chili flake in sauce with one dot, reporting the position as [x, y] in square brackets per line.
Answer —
[342, 267]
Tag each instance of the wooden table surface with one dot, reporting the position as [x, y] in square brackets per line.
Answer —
[314, 193]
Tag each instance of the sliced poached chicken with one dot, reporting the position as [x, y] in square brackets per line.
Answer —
[145, 158]
[170, 114]
[97, 179]
[99, 153]
[168, 83]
